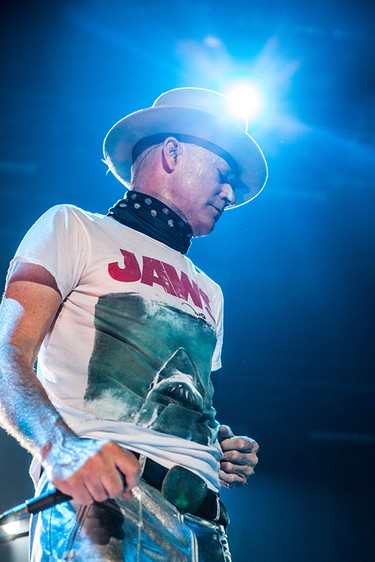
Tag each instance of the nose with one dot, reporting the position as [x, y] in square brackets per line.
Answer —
[227, 194]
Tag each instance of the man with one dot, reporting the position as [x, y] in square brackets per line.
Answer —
[126, 331]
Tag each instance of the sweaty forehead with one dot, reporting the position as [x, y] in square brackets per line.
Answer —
[222, 164]
[219, 156]
[211, 147]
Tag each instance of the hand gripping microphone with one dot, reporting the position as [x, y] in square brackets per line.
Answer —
[32, 506]
[35, 505]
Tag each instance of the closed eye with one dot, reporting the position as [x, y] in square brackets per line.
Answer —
[227, 177]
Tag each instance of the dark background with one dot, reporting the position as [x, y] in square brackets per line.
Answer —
[297, 265]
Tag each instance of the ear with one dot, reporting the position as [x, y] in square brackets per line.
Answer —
[172, 149]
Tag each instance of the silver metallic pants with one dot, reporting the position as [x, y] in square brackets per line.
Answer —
[146, 528]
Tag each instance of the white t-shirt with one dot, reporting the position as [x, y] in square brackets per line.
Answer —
[130, 353]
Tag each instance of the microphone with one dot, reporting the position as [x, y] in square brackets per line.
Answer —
[35, 505]
[32, 506]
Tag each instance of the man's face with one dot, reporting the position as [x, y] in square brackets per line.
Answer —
[203, 189]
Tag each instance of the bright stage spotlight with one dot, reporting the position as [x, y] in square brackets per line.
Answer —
[247, 99]
[14, 530]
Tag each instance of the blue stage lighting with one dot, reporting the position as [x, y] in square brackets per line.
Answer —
[247, 98]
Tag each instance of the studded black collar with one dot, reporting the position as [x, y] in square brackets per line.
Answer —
[152, 217]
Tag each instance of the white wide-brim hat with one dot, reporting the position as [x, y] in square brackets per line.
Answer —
[194, 112]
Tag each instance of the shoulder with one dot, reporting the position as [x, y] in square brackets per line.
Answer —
[66, 215]
[68, 209]
[206, 277]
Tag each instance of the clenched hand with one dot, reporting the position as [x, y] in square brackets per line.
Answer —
[239, 458]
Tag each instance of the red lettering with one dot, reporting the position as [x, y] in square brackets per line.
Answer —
[131, 270]
[154, 272]
[183, 287]
[160, 273]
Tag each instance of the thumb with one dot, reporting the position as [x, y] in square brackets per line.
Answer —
[225, 432]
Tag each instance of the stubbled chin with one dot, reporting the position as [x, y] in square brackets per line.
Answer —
[203, 230]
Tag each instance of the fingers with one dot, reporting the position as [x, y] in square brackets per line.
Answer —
[225, 432]
[235, 459]
[108, 473]
[233, 475]
[128, 465]
[238, 462]
[241, 444]
[230, 480]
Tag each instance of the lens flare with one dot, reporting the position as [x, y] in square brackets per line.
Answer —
[247, 99]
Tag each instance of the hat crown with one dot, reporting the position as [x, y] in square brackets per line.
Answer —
[196, 113]
[202, 99]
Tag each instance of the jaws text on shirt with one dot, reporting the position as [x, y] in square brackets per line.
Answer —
[153, 271]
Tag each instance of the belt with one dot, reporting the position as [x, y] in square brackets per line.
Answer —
[185, 490]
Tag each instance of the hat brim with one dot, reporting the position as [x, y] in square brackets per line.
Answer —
[125, 134]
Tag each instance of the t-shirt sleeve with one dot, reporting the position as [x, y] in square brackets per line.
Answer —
[57, 241]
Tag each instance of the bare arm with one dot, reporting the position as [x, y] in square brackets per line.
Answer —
[85, 469]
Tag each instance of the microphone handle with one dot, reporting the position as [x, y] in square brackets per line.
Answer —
[46, 500]
[32, 506]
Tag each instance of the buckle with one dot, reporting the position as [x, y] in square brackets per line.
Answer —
[184, 489]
